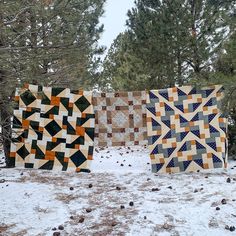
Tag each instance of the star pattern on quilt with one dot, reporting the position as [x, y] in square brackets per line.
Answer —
[120, 118]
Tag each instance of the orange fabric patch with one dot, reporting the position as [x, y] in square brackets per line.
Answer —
[159, 132]
[12, 154]
[202, 136]
[222, 139]
[16, 98]
[54, 140]
[162, 104]
[152, 157]
[25, 124]
[162, 160]
[190, 158]
[174, 90]
[209, 155]
[55, 101]
[177, 116]
[193, 142]
[187, 129]
[50, 155]
[179, 154]
[80, 130]
[191, 123]
[33, 151]
[205, 166]
[174, 145]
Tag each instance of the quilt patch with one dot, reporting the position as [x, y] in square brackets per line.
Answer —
[53, 129]
[186, 129]
[120, 118]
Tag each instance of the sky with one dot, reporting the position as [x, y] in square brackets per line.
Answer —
[114, 19]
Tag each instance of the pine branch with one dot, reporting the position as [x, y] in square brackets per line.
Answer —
[17, 16]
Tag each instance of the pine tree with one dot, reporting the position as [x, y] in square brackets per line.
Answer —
[225, 73]
[175, 42]
[48, 42]
[121, 67]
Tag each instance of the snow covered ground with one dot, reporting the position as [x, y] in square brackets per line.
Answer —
[119, 197]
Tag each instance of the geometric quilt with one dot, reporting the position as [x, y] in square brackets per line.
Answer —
[120, 118]
[186, 130]
[53, 129]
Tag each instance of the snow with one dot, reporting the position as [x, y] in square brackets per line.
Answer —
[33, 202]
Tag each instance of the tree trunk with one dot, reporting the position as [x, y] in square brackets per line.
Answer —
[5, 118]
[196, 60]
[6, 134]
[5, 114]
[179, 68]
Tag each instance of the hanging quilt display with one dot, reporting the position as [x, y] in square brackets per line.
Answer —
[120, 118]
[53, 129]
[186, 129]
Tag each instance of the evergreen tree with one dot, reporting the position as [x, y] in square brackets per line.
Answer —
[225, 73]
[48, 42]
[174, 42]
[121, 67]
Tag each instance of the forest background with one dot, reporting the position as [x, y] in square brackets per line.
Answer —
[166, 43]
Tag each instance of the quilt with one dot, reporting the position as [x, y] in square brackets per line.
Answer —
[186, 129]
[120, 118]
[53, 129]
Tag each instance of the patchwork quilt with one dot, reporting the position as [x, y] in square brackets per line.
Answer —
[120, 118]
[186, 129]
[53, 129]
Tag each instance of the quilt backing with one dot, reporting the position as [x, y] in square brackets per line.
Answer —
[120, 118]
[53, 129]
[186, 130]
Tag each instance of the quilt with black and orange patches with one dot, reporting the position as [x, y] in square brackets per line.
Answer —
[53, 129]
